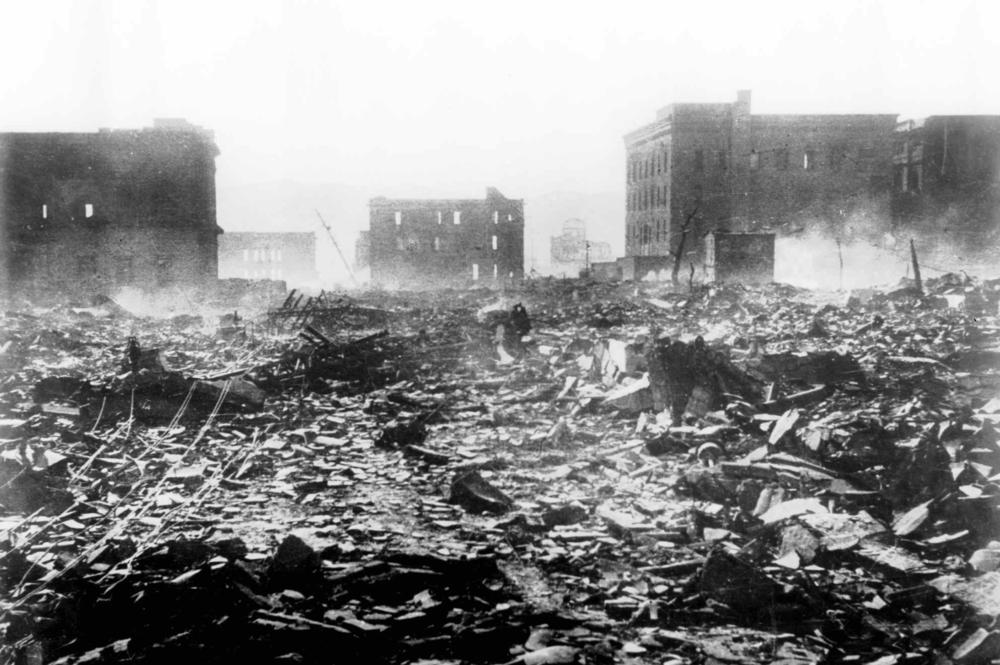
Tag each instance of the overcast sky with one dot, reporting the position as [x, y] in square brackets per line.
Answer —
[401, 97]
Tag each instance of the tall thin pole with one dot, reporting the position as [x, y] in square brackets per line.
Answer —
[916, 268]
[337, 247]
[840, 258]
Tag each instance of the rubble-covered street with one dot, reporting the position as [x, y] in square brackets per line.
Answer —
[570, 473]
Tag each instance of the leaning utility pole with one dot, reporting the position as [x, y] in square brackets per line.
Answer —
[916, 268]
[329, 232]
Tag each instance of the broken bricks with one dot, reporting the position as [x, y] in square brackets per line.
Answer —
[814, 518]
[693, 377]
[470, 490]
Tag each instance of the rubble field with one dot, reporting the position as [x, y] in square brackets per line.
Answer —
[572, 473]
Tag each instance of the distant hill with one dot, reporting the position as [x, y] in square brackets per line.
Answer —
[285, 205]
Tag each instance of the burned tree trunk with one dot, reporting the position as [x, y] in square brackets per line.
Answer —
[679, 253]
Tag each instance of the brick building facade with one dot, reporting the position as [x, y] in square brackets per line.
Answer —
[434, 243]
[701, 168]
[946, 176]
[91, 212]
[288, 257]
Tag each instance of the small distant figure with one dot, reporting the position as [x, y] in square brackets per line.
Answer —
[520, 323]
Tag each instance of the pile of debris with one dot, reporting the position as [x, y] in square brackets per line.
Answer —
[586, 474]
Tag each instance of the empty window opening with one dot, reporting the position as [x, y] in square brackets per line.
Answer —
[456, 217]
[809, 160]
[399, 218]
[496, 272]
[437, 244]
[754, 160]
[439, 216]
[88, 210]
[45, 211]
[495, 243]
[496, 216]
[475, 272]
[510, 218]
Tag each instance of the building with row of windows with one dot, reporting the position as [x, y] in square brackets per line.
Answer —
[434, 243]
[704, 168]
[700, 168]
[287, 257]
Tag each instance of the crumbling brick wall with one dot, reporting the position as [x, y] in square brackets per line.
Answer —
[92, 212]
[434, 243]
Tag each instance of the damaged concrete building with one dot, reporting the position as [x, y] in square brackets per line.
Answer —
[700, 168]
[91, 212]
[287, 257]
[946, 177]
[433, 243]
[571, 251]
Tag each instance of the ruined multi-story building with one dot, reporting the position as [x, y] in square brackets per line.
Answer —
[91, 212]
[946, 177]
[434, 243]
[571, 252]
[288, 257]
[717, 167]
